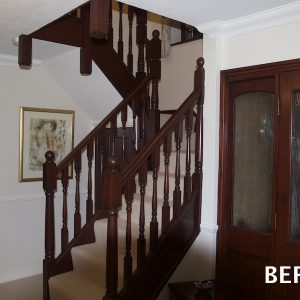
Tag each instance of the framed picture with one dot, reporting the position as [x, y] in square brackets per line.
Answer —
[42, 130]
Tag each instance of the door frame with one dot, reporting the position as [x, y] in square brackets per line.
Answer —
[225, 160]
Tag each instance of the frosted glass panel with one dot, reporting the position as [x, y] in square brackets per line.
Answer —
[253, 161]
[295, 207]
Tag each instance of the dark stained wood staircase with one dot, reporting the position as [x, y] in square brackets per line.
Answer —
[73, 30]
[123, 158]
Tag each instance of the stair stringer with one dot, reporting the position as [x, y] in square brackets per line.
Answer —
[148, 281]
[87, 236]
[108, 61]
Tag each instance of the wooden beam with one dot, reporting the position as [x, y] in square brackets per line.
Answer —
[99, 18]
[113, 68]
[67, 30]
[25, 51]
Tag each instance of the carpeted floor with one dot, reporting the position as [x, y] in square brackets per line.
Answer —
[29, 288]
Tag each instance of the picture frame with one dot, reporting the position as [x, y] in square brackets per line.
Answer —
[41, 130]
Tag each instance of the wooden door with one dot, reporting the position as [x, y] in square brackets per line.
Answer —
[259, 183]
[248, 235]
[288, 221]
[252, 199]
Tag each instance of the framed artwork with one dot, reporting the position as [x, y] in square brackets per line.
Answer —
[42, 130]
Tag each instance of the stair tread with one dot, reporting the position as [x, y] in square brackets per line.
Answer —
[89, 260]
[72, 285]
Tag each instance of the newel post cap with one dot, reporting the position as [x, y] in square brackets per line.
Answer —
[49, 172]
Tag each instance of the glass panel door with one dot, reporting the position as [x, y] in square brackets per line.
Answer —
[295, 167]
[253, 161]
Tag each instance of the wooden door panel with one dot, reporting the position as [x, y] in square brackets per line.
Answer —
[250, 243]
[293, 292]
[292, 255]
[287, 249]
[247, 276]
[245, 247]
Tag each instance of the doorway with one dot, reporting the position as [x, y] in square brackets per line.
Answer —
[259, 180]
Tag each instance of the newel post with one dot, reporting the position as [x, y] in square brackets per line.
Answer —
[112, 192]
[198, 174]
[49, 185]
[155, 69]
[25, 51]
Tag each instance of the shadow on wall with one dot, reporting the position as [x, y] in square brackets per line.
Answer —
[198, 264]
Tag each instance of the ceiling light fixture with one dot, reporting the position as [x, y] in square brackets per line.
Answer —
[15, 40]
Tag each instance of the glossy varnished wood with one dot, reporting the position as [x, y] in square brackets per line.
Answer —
[99, 18]
[70, 30]
[49, 186]
[110, 26]
[287, 248]
[113, 203]
[177, 189]
[120, 41]
[89, 201]
[238, 248]
[129, 191]
[188, 177]
[77, 214]
[25, 51]
[64, 229]
[273, 248]
[167, 148]
[85, 50]
[141, 242]
[67, 30]
[141, 37]
[154, 222]
[130, 55]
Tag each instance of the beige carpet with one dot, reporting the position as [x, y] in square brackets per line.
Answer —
[87, 280]
[30, 288]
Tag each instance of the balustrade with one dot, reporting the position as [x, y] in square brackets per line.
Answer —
[118, 156]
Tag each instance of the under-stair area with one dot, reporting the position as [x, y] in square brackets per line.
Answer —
[87, 280]
[141, 167]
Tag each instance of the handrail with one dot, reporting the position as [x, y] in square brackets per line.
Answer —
[168, 111]
[153, 144]
[101, 126]
[172, 111]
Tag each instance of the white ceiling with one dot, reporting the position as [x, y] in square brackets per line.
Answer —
[26, 16]
[200, 12]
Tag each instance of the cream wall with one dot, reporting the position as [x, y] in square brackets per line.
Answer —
[177, 78]
[22, 204]
[176, 84]
[268, 45]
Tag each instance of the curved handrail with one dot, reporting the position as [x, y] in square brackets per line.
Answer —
[101, 126]
[150, 146]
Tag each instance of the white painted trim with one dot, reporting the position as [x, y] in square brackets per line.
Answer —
[20, 198]
[12, 61]
[129, 123]
[21, 273]
[210, 228]
[12, 199]
[269, 18]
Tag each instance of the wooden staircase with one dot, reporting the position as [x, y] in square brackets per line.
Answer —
[144, 180]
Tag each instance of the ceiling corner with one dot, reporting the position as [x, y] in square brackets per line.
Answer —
[266, 19]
